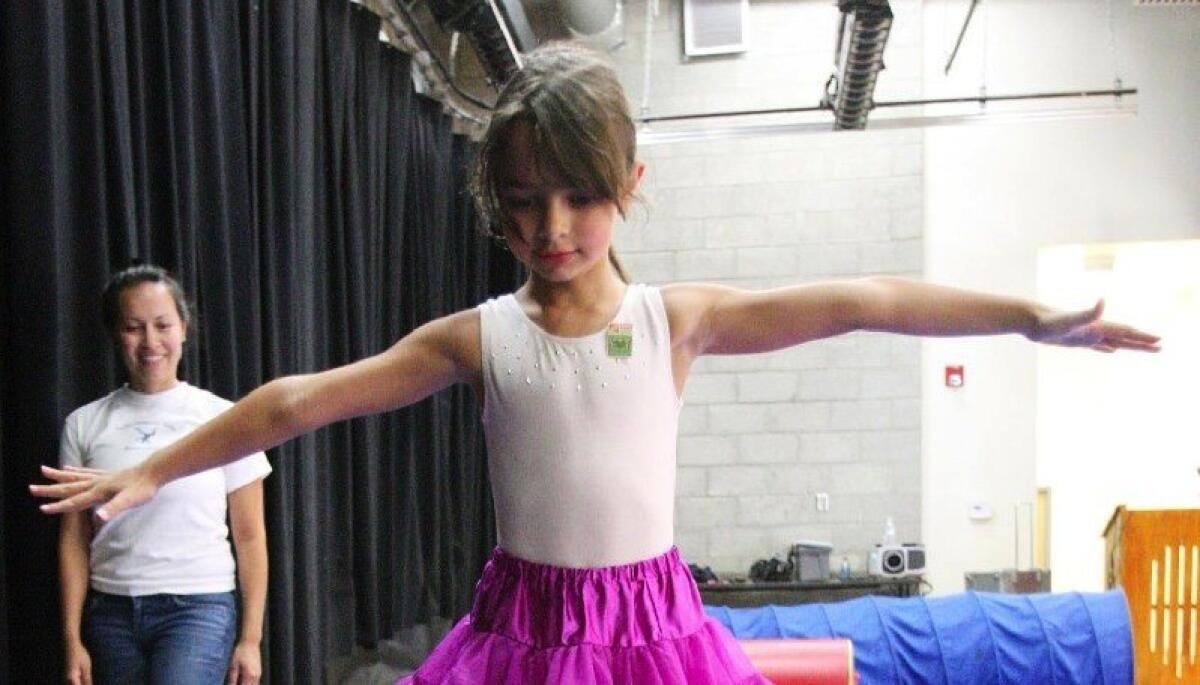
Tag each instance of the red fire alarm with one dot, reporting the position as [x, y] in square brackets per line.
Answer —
[954, 376]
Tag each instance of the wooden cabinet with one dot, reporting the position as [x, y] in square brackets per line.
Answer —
[1154, 556]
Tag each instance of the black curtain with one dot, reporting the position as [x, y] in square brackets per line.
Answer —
[276, 157]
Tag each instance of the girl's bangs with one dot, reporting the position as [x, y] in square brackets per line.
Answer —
[573, 159]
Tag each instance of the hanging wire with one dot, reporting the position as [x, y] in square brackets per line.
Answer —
[624, 38]
[651, 11]
[961, 34]
[984, 55]
[1112, 48]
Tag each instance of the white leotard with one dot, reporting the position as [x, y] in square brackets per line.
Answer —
[581, 444]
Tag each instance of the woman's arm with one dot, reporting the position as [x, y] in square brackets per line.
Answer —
[74, 542]
[711, 319]
[250, 545]
[430, 358]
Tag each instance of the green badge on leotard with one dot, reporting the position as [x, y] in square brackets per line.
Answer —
[619, 340]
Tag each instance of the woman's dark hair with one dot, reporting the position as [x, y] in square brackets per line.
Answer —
[581, 129]
[110, 301]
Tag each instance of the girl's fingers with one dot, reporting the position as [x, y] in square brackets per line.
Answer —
[84, 469]
[1128, 334]
[1141, 342]
[1139, 345]
[1131, 340]
[1141, 336]
[59, 490]
[63, 476]
[77, 503]
[114, 506]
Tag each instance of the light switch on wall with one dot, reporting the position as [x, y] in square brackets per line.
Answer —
[979, 511]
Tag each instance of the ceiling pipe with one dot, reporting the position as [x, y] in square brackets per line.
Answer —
[652, 137]
[982, 100]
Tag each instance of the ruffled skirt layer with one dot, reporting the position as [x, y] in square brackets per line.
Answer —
[636, 623]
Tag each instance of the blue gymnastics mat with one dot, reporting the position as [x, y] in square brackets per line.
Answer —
[973, 637]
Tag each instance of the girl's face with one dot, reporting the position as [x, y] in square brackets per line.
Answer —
[151, 337]
[559, 232]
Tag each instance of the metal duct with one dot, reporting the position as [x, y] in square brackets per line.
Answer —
[862, 36]
[498, 30]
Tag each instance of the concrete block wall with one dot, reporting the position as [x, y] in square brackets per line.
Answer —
[762, 435]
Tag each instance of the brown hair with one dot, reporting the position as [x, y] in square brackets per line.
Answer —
[110, 300]
[580, 127]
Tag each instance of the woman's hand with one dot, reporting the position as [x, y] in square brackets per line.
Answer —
[79, 665]
[78, 488]
[245, 668]
[1086, 329]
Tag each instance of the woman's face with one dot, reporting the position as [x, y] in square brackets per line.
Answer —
[151, 337]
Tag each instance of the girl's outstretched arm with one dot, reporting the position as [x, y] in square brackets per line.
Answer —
[712, 319]
[440, 353]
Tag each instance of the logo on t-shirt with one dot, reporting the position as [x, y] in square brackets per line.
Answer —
[140, 435]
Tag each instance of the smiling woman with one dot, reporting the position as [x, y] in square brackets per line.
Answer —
[150, 323]
[179, 576]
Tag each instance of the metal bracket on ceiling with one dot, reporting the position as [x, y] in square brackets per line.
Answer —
[499, 31]
[863, 30]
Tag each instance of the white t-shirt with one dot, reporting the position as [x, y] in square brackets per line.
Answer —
[177, 543]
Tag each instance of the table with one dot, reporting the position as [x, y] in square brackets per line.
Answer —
[753, 594]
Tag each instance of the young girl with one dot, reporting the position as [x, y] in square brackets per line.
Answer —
[580, 376]
[149, 597]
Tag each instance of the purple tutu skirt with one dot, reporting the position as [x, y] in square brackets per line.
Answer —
[638, 623]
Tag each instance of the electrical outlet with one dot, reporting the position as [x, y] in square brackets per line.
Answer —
[822, 501]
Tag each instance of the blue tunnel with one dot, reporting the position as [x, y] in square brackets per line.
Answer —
[973, 637]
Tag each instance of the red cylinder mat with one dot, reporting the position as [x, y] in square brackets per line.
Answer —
[803, 662]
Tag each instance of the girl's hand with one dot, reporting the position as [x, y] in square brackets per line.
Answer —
[245, 668]
[1086, 329]
[79, 488]
[79, 665]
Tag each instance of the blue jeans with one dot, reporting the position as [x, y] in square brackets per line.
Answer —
[159, 639]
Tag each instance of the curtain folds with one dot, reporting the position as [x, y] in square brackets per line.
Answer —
[276, 157]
